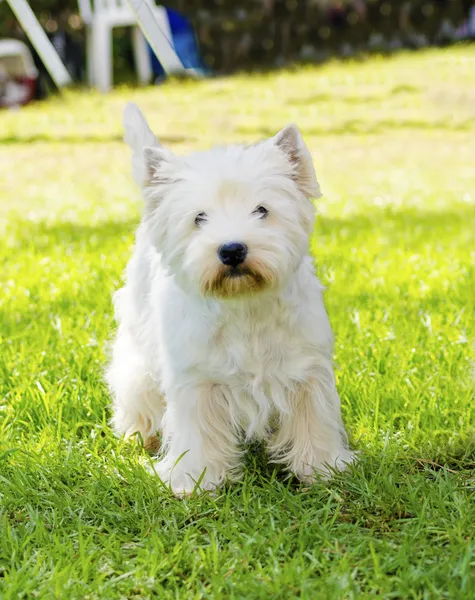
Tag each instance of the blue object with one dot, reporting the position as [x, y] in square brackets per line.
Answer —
[184, 43]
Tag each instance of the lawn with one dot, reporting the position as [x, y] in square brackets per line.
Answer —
[393, 141]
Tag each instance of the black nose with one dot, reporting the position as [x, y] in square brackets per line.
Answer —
[232, 254]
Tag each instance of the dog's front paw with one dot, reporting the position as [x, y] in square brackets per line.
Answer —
[181, 483]
[309, 469]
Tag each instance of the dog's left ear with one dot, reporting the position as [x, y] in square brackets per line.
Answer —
[289, 141]
[155, 159]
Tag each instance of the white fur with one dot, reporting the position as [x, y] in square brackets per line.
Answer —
[210, 365]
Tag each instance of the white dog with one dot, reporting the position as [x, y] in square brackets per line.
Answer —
[223, 335]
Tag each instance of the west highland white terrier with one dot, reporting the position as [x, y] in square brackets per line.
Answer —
[222, 332]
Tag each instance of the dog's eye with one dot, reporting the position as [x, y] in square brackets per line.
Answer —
[261, 212]
[200, 219]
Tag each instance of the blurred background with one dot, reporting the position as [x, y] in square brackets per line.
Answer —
[224, 36]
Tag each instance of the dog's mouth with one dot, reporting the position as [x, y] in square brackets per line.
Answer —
[234, 272]
[243, 280]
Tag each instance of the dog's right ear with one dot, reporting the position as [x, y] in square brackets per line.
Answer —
[138, 136]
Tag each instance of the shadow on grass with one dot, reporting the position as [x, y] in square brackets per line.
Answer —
[409, 227]
[39, 236]
[361, 126]
[413, 230]
[53, 138]
[363, 99]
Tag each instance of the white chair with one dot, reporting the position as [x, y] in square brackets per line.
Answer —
[100, 17]
[39, 39]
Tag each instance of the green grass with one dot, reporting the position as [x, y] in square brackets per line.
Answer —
[393, 142]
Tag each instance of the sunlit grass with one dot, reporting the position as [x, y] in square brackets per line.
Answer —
[393, 143]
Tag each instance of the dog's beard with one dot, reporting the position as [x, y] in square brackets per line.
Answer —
[247, 279]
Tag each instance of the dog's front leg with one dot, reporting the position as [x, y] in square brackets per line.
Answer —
[201, 441]
[311, 437]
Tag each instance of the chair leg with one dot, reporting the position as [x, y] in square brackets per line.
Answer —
[90, 55]
[142, 57]
[102, 56]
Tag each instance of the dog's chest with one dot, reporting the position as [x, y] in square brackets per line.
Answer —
[269, 342]
[252, 347]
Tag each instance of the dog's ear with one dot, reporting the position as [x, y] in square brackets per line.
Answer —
[289, 141]
[154, 160]
[138, 135]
